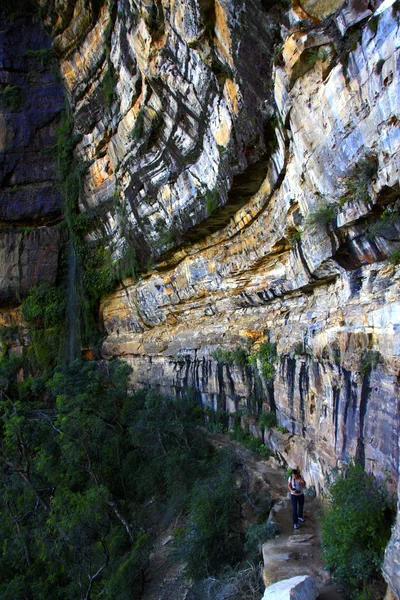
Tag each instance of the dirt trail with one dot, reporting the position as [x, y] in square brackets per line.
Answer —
[292, 552]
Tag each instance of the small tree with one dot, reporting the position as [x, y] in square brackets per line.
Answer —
[356, 528]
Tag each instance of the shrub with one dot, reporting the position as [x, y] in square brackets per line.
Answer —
[211, 199]
[282, 429]
[369, 360]
[298, 348]
[267, 420]
[45, 306]
[237, 356]
[394, 257]
[139, 127]
[323, 214]
[256, 535]
[355, 528]
[12, 97]
[294, 239]
[359, 179]
[264, 358]
[209, 543]
[108, 86]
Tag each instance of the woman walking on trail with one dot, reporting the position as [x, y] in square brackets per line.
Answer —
[296, 485]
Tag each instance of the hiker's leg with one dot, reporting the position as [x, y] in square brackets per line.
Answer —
[301, 505]
[293, 498]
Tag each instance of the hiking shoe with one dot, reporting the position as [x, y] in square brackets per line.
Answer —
[295, 526]
[301, 519]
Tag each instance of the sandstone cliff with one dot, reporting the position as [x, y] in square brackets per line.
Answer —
[242, 160]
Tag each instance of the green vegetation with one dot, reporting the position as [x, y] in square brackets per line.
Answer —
[256, 535]
[355, 529]
[96, 274]
[249, 441]
[99, 468]
[282, 429]
[295, 238]
[369, 360]
[44, 57]
[211, 201]
[373, 24]
[394, 257]
[44, 311]
[323, 214]
[359, 179]
[11, 96]
[267, 420]
[312, 55]
[298, 348]
[138, 128]
[264, 359]
[108, 85]
[210, 542]
[384, 226]
[229, 357]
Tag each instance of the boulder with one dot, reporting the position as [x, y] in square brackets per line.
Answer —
[302, 587]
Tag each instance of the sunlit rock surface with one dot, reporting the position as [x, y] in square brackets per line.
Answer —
[249, 154]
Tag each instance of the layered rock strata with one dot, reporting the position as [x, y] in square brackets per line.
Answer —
[249, 155]
[31, 100]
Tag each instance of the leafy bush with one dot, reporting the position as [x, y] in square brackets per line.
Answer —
[359, 179]
[295, 238]
[211, 539]
[237, 356]
[45, 306]
[323, 214]
[355, 528]
[249, 441]
[267, 420]
[11, 95]
[264, 358]
[394, 257]
[369, 360]
[282, 429]
[256, 535]
[211, 200]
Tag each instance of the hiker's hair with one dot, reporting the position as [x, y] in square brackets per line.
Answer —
[295, 472]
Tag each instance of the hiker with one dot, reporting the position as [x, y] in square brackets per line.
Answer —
[296, 486]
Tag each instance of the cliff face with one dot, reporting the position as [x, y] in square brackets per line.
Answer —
[249, 154]
[31, 100]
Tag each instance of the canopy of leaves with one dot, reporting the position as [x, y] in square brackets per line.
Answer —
[81, 461]
[356, 528]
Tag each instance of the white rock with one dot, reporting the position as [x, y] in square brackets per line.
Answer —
[302, 587]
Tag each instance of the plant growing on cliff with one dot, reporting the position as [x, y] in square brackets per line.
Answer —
[139, 126]
[356, 528]
[264, 359]
[237, 356]
[295, 238]
[359, 179]
[211, 201]
[11, 96]
[394, 257]
[267, 420]
[369, 360]
[323, 214]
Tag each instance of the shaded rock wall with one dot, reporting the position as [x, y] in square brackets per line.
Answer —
[31, 100]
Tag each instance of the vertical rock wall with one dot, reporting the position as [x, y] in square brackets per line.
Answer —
[31, 100]
[242, 159]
